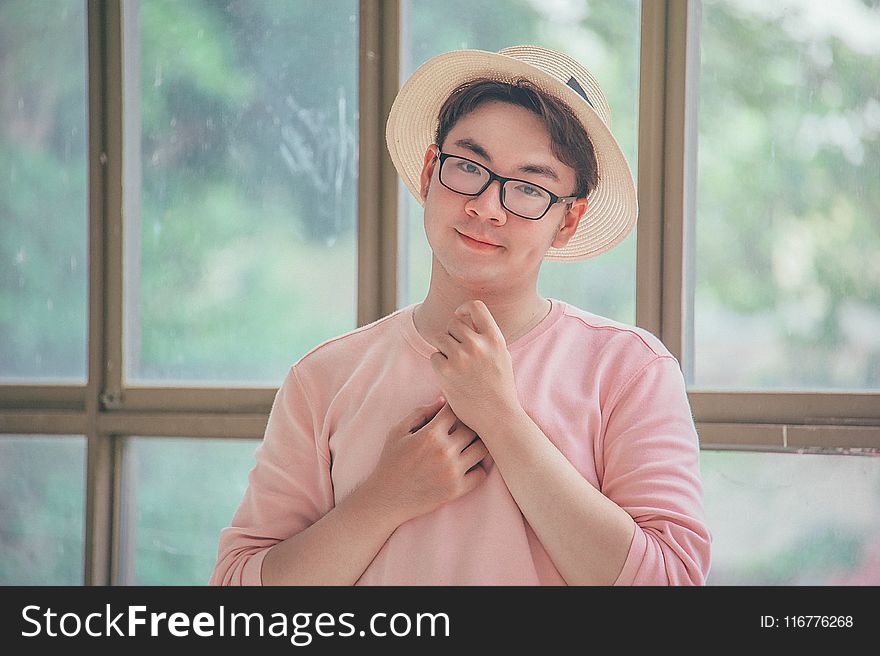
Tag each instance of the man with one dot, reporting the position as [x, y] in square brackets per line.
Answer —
[486, 435]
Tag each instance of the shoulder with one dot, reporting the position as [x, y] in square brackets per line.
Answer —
[612, 353]
[612, 336]
[353, 346]
[630, 362]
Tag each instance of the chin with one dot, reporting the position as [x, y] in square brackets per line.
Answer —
[470, 274]
[481, 281]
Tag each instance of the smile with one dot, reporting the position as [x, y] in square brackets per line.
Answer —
[477, 245]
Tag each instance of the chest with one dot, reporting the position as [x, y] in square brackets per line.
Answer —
[362, 415]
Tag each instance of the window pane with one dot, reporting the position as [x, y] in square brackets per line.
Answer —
[42, 487]
[601, 34]
[43, 210]
[792, 519]
[177, 496]
[788, 278]
[241, 158]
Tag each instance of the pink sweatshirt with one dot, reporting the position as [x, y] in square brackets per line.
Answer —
[610, 396]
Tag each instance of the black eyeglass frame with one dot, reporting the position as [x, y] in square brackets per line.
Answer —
[502, 180]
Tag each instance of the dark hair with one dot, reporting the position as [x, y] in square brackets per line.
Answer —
[570, 142]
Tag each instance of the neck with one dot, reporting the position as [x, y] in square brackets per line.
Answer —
[516, 311]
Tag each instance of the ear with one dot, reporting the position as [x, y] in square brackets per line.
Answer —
[428, 165]
[570, 222]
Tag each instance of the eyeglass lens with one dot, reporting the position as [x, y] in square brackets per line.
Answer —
[519, 197]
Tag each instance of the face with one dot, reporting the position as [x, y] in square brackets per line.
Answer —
[476, 242]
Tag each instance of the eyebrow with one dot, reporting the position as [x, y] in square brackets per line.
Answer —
[537, 169]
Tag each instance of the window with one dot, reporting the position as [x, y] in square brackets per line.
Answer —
[43, 205]
[195, 194]
[241, 140]
[785, 284]
[42, 484]
[787, 279]
[812, 519]
[165, 541]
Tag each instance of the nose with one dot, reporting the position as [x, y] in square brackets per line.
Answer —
[488, 204]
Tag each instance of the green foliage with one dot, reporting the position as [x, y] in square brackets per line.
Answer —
[176, 542]
[823, 551]
[43, 510]
[43, 225]
[787, 212]
[238, 183]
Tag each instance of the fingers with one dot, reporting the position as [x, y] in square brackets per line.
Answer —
[462, 436]
[439, 417]
[474, 476]
[443, 420]
[464, 313]
[480, 317]
[473, 454]
[421, 416]
[459, 330]
[446, 345]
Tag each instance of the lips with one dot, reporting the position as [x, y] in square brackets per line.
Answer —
[479, 239]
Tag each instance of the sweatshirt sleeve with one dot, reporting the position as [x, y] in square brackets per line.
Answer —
[288, 490]
[652, 470]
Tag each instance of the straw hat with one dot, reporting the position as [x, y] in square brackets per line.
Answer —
[412, 125]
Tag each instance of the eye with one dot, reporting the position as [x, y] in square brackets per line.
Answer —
[530, 191]
[467, 167]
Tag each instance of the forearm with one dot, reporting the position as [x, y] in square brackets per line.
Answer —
[337, 548]
[587, 535]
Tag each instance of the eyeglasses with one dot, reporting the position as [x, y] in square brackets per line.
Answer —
[520, 197]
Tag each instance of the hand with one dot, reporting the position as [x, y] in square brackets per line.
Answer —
[429, 458]
[475, 367]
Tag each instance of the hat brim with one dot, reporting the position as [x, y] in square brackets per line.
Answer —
[612, 207]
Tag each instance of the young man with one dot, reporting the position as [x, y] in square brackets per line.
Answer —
[485, 435]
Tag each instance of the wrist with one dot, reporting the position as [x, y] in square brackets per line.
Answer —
[504, 419]
[376, 499]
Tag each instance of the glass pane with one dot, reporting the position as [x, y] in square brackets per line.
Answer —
[601, 34]
[792, 519]
[43, 200]
[787, 274]
[241, 228]
[42, 487]
[177, 496]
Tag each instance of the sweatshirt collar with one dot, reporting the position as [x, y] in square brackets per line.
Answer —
[423, 347]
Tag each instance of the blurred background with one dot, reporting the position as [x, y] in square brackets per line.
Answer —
[240, 247]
